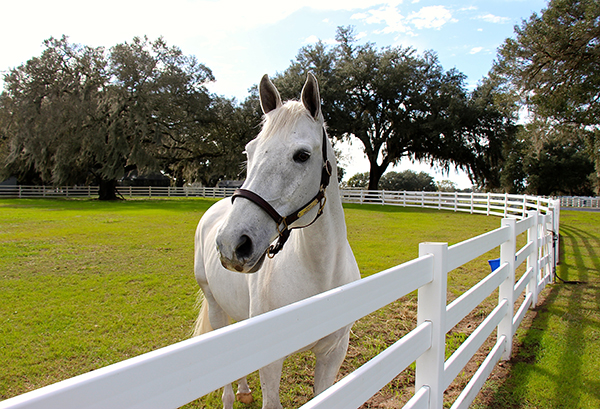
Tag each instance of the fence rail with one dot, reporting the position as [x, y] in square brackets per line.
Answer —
[177, 374]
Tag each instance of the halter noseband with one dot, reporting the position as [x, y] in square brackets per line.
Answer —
[283, 223]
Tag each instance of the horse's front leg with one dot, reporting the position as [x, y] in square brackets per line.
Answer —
[330, 353]
[270, 378]
[218, 318]
[244, 394]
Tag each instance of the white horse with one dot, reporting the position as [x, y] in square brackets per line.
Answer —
[290, 163]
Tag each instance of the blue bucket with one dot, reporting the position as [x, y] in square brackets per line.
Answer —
[494, 263]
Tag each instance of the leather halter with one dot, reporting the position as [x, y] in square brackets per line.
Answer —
[283, 223]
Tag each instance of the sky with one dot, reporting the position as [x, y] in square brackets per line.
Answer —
[240, 41]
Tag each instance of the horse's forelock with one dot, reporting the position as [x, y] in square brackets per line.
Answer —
[284, 118]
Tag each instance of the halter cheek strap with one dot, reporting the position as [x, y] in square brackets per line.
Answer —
[283, 223]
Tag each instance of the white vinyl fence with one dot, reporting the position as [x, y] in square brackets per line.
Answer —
[31, 192]
[177, 374]
[483, 203]
[580, 201]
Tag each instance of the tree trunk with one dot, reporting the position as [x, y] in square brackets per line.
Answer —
[107, 190]
[375, 175]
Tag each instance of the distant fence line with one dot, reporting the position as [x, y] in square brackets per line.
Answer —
[23, 192]
[491, 204]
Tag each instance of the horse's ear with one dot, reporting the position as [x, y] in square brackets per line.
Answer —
[311, 97]
[269, 96]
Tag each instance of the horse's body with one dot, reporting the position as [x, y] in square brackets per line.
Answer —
[285, 166]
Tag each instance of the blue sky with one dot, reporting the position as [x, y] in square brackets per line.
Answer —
[242, 40]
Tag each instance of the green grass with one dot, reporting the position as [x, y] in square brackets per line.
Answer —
[557, 361]
[85, 284]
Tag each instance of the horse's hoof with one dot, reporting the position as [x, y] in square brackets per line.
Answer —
[244, 397]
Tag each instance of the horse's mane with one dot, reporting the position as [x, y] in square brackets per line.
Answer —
[283, 118]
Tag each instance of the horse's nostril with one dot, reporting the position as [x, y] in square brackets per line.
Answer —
[244, 248]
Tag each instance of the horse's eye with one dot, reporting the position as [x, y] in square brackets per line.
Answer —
[301, 156]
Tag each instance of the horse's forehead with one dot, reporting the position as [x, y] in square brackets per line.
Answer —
[302, 130]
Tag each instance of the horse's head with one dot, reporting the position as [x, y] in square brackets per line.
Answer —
[286, 171]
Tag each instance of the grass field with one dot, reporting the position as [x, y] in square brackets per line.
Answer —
[85, 284]
[557, 359]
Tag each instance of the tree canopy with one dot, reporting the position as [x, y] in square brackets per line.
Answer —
[396, 181]
[553, 64]
[78, 114]
[398, 104]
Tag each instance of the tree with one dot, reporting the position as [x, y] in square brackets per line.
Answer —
[397, 103]
[445, 186]
[407, 180]
[51, 110]
[76, 115]
[554, 65]
[395, 181]
[491, 117]
[160, 111]
[359, 180]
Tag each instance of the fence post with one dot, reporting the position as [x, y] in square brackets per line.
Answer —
[532, 259]
[556, 228]
[507, 288]
[471, 202]
[550, 245]
[432, 308]
[455, 201]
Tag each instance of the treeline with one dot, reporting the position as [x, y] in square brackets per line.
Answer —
[405, 180]
[78, 115]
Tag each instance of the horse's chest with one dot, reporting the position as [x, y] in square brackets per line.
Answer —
[275, 288]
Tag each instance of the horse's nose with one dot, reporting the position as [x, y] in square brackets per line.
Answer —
[243, 250]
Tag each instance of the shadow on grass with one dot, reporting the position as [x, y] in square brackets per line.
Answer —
[556, 363]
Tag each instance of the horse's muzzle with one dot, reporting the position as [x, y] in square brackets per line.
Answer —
[241, 257]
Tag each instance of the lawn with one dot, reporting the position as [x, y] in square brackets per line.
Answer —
[557, 361]
[85, 284]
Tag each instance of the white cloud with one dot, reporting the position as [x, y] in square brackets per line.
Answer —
[431, 17]
[427, 17]
[388, 15]
[490, 18]
[475, 50]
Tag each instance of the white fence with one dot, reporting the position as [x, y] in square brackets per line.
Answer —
[580, 201]
[490, 204]
[180, 373]
[23, 192]
[484, 203]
